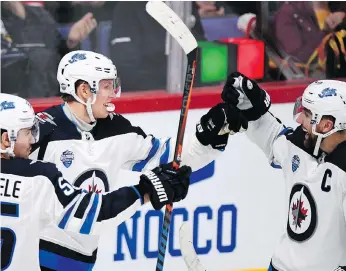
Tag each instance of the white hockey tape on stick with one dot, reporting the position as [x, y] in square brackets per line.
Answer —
[169, 20]
[187, 250]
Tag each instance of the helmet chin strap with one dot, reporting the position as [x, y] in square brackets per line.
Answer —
[318, 144]
[88, 105]
[320, 137]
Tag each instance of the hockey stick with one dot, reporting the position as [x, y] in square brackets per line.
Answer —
[187, 250]
[168, 19]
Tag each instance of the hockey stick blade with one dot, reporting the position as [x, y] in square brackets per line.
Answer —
[169, 20]
[187, 250]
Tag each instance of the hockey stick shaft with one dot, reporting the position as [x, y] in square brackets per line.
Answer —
[189, 79]
[173, 24]
[185, 104]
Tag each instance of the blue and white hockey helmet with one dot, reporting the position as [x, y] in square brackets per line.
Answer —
[90, 67]
[16, 113]
[324, 98]
[87, 66]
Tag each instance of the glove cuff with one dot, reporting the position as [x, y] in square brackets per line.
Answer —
[144, 187]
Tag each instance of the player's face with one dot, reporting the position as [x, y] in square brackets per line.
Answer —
[22, 147]
[106, 93]
[304, 119]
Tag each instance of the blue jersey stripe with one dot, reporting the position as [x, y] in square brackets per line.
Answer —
[60, 263]
[283, 131]
[66, 217]
[86, 227]
[140, 165]
[275, 165]
[164, 157]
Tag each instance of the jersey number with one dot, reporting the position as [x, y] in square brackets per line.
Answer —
[8, 237]
[66, 187]
[8, 242]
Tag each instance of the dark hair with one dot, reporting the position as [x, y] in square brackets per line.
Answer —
[70, 98]
[329, 117]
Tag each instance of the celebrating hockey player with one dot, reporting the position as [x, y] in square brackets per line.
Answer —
[90, 143]
[34, 194]
[312, 158]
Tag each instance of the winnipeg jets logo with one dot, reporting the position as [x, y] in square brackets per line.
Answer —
[93, 180]
[6, 105]
[327, 92]
[302, 215]
[76, 57]
[299, 213]
[93, 187]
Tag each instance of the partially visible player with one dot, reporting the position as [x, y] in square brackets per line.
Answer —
[312, 158]
[90, 143]
[34, 194]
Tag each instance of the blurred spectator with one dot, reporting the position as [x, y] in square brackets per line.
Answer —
[310, 33]
[240, 7]
[35, 34]
[209, 9]
[303, 30]
[138, 46]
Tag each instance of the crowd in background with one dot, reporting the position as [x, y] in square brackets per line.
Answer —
[35, 35]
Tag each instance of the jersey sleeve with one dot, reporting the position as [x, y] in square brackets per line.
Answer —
[269, 134]
[76, 210]
[149, 152]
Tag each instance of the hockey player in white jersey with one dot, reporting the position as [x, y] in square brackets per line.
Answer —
[34, 194]
[312, 158]
[90, 143]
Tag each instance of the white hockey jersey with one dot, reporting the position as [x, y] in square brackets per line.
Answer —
[93, 160]
[34, 195]
[315, 236]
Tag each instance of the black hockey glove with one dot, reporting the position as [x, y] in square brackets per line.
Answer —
[244, 93]
[165, 185]
[215, 126]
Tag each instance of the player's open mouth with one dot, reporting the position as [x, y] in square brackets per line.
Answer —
[110, 107]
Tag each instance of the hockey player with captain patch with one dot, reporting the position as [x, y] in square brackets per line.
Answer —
[34, 194]
[90, 143]
[312, 158]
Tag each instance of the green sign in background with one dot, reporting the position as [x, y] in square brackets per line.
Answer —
[214, 61]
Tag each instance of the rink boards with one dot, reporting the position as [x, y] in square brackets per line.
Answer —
[235, 206]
